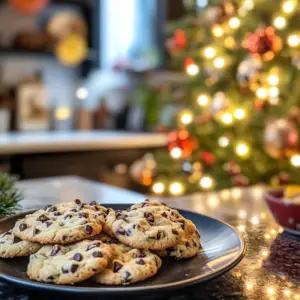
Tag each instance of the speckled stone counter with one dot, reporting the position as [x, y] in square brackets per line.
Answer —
[270, 269]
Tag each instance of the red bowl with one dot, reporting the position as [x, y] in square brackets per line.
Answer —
[285, 211]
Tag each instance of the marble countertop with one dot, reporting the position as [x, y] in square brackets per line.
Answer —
[41, 142]
[270, 269]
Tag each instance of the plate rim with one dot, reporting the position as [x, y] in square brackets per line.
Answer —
[114, 290]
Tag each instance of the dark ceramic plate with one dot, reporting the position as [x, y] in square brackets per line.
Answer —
[223, 248]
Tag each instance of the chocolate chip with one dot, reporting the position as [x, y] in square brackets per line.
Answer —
[140, 254]
[160, 235]
[16, 240]
[68, 216]
[47, 206]
[2, 242]
[57, 213]
[22, 227]
[112, 241]
[121, 231]
[77, 257]
[182, 223]
[126, 277]
[133, 226]
[55, 250]
[36, 231]
[64, 237]
[121, 217]
[140, 261]
[83, 215]
[108, 211]
[93, 203]
[164, 204]
[197, 233]
[77, 201]
[97, 254]
[144, 204]
[174, 231]
[128, 209]
[42, 218]
[164, 214]
[52, 208]
[73, 210]
[117, 267]
[194, 243]
[187, 244]
[81, 206]
[146, 200]
[89, 247]
[88, 229]
[50, 278]
[6, 233]
[64, 270]
[128, 232]
[149, 217]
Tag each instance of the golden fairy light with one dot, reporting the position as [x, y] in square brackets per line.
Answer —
[219, 62]
[295, 160]
[241, 228]
[227, 118]
[203, 100]
[242, 149]
[274, 91]
[186, 117]
[234, 23]
[293, 40]
[192, 69]
[206, 182]
[209, 52]
[176, 188]
[270, 291]
[223, 141]
[279, 22]
[267, 236]
[248, 4]
[239, 113]
[62, 113]
[158, 188]
[273, 79]
[288, 6]
[255, 220]
[217, 31]
[176, 153]
[262, 93]
[287, 293]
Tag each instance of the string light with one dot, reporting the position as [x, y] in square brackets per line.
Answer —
[176, 188]
[262, 93]
[273, 79]
[158, 188]
[234, 23]
[239, 113]
[206, 182]
[249, 286]
[242, 150]
[270, 291]
[265, 253]
[288, 6]
[217, 31]
[248, 4]
[223, 141]
[203, 100]
[267, 236]
[209, 52]
[176, 153]
[293, 40]
[255, 220]
[287, 293]
[219, 62]
[274, 91]
[295, 160]
[241, 228]
[192, 69]
[274, 100]
[186, 117]
[227, 118]
[279, 22]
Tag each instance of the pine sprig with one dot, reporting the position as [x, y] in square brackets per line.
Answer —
[9, 195]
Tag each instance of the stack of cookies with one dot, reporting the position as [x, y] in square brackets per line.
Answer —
[71, 242]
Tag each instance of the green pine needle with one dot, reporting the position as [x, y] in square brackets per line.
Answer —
[9, 195]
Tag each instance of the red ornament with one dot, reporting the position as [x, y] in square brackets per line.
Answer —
[180, 40]
[240, 180]
[264, 43]
[208, 158]
[29, 7]
[232, 168]
[182, 139]
[188, 61]
[283, 178]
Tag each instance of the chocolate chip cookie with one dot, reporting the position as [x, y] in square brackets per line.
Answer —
[12, 246]
[128, 265]
[68, 264]
[154, 227]
[62, 223]
[189, 245]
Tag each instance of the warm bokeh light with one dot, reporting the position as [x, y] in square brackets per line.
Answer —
[158, 188]
[217, 31]
[192, 69]
[288, 6]
[293, 40]
[227, 118]
[223, 141]
[209, 52]
[255, 220]
[239, 113]
[279, 22]
[274, 91]
[248, 4]
[262, 93]
[176, 153]
[206, 182]
[295, 160]
[186, 117]
[62, 113]
[273, 79]
[82, 93]
[176, 188]
[234, 23]
[219, 62]
[203, 100]
[242, 149]
[241, 228]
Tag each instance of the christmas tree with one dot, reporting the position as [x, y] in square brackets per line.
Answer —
[238, 123]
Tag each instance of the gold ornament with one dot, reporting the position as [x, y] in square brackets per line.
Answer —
[281, 138]
[72, 50]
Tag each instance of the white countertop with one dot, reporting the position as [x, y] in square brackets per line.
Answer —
[17, 143]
